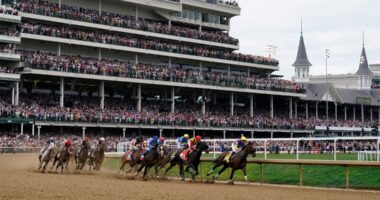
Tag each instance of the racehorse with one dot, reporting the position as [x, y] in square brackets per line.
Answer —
[63, 157]
[97, 156]
[46, 156]
[150, 159]
[237, 161]
[191, 163]
[81, 155]
[131, 160]
[164, 158]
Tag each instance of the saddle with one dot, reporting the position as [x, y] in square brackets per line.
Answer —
[185, 154]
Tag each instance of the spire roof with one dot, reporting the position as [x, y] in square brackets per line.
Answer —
[302, 60]
[363, 67]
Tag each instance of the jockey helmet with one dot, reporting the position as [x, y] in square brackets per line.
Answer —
[243, 138]
[102, 139]
[87, 139]
[155, 138]
[162, 139]
[198, 138]
[186, 136]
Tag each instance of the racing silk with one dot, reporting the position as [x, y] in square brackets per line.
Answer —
[180, 142]
[151, 143]
[237, 145]
[192, 143]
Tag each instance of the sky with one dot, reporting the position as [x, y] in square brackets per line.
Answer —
[327, 24]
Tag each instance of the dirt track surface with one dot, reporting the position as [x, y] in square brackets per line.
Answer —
[19, 180]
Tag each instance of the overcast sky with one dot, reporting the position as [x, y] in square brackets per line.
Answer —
[331, 24]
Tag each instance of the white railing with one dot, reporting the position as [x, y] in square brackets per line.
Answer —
[368, 156]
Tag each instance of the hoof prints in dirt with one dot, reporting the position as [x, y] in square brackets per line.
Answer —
[71, 172]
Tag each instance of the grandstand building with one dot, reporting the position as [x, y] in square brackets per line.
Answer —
[157, 67]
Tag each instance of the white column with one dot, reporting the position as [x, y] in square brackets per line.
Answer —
[291, 134]
[173, 101]
[22, 129]
[224, 134]
[59, 49]
[99, 54]
[271, 106]
[200, 28]
[136, 58]
[101, 94]
[307, 110]
[100, 7]
[13, 95]
[316, 110]
[200, 66]
[232, 104]
[290, 107]
[137, 12]
[33, 130]
[336, 110]
[170, 23]
[17, 93]
[193, 133]
[362, 112]
[295, 109]
[59, 3]
[251, 105]
[345, 112]
[138, 98]
[124, 129]
[203, 103]
[252, 134]
[249, 72]
[354, 112]
[62, 93]
[39, 132]
[170, 62]
[83, 132]
[271, 134]
[160, 132]
[371, 114]
[229, 69]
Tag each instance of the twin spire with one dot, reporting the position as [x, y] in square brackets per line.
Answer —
[363, 66]
[302, 60]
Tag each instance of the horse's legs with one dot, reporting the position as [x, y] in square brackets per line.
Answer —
[123, 162]
[231, 176]
[244, 169]
[213, 169]
[140, 168]
[221, 171]
[145, 171]
[172, 164]
[181, 172]
[55, 160]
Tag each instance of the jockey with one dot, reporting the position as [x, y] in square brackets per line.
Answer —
[181, 141]
[151, 143]
[135, 145]
[162, 141]
[86, 139]
[236, 147]
[47, 144]
[192, 145]
[193, 142]
[67, 143]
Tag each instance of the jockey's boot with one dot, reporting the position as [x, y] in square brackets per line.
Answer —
[227, 158]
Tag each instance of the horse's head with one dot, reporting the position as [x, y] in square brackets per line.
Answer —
[250, 149]
[51, 146]
[203, 147]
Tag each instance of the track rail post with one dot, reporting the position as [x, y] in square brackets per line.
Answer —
[300, 174]
[347, 173]
[262, 173]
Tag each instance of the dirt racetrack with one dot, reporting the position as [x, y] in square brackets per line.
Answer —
[19, 180]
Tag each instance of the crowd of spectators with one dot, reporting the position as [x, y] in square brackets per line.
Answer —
[26, 143]
[134, 42]
[125, 21]
[8, 10]
[88, 65]
[7, 48]
[5, 70]
[229, 2]
[9, 32]
[44, 107]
